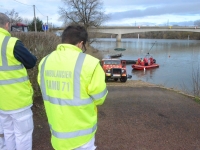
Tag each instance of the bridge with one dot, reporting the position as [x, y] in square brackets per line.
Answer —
[119, 30]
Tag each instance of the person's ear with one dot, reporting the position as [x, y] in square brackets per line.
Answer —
[80, 45]
[7, 26]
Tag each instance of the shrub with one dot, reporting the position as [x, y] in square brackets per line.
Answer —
[41, 44]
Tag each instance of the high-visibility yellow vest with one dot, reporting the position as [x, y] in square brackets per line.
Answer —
[15, 88]
[64, 77]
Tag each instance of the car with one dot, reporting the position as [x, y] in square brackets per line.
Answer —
[115, 69]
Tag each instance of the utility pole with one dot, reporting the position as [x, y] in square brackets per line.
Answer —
[34, 18]
[10, 22]
[47, 24]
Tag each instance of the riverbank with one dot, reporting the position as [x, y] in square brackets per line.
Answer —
[140, 83]
[136, 115]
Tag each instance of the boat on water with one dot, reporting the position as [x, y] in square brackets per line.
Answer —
[146, 63]
[120, 49]
[116, 55]
[140, 67]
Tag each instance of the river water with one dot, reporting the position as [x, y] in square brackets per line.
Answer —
[179, 60]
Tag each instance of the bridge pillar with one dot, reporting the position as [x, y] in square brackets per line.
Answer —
[118, 44]
[119, 36]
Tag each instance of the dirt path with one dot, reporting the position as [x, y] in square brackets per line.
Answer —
[137, 116]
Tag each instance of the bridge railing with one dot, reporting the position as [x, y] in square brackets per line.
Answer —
[139, 27]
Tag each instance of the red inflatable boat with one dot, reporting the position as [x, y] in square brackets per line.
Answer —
[146, 63]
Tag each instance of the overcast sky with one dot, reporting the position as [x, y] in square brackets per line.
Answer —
[121, 12]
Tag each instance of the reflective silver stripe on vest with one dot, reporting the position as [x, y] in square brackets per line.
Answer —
[77, 72]
[65, 135]
[100, 95]
[76, 101]
[11, 81]
[70, 102]
[5, 66]
[42, 82]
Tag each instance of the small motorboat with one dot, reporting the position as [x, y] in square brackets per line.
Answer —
[120, 49]
[146, 63]
[116, 55]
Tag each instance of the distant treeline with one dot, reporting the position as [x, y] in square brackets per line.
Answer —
[156, 35]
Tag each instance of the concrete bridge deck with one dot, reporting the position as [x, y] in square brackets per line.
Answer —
[119, 30]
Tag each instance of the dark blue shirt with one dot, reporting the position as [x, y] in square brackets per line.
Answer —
[24, 56]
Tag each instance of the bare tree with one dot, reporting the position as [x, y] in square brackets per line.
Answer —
[26, 21]
[88, 13]
[14, 16]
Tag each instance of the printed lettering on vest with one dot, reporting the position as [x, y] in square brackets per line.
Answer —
[58, 73]
[55, 84]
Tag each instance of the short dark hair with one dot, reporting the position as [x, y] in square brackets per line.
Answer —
[3, 19]
[74, 34]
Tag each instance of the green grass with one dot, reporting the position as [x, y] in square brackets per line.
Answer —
[197, 99]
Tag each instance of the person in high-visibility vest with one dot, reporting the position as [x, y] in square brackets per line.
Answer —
[16, 121]
[72, 85]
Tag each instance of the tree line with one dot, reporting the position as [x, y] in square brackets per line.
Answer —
[155, 35]
[15, 18]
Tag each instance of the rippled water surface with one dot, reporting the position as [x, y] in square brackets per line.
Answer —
[179, 60]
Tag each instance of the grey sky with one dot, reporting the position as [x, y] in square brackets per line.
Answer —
[147, 3]
[153, 12]
[179, 9]
[121, 12]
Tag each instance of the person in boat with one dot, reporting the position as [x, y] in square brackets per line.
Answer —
[151, 60]
[138, 61]
[145, 61]
[142, 62]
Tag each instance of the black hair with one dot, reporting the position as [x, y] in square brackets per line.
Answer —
[74, 34]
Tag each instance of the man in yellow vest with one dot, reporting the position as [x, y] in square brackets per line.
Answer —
[72, 85]
[16, 122]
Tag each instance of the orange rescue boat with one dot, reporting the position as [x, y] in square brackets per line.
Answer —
[146, 63]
